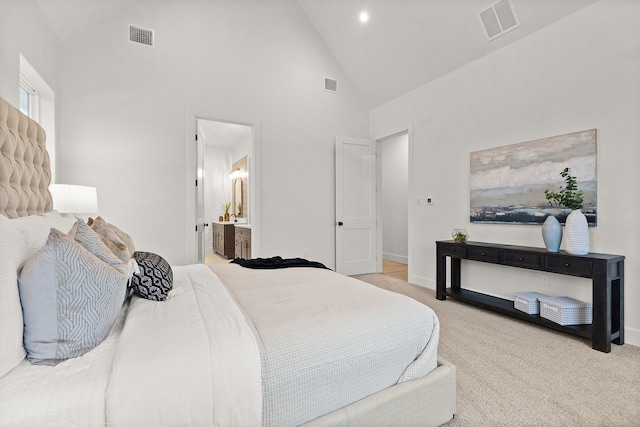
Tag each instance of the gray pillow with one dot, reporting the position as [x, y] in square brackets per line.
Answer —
[155, 278]
[70, 300]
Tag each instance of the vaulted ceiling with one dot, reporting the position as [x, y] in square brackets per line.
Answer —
[404, 45]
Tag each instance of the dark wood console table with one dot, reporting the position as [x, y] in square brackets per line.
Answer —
[606, 272]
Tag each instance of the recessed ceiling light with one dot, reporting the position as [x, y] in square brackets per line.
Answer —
[364, 17]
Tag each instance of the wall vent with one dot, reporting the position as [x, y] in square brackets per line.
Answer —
[499, 18]
[140, 35]
[330, 85]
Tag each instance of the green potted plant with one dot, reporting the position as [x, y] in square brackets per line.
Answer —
[226, 207]
[576, 227]
[459, 235]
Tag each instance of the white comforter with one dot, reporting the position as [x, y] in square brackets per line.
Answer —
[327, 340]
[191, 360]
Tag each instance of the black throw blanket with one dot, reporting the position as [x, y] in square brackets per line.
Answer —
[276, 262]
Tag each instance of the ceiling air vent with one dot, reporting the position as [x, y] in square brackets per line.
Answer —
[499, 18]
[140, 35]
[330, 85]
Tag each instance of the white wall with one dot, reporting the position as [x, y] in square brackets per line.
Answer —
[580, 73]
[123, 112]
[24, 30]
[395, 195]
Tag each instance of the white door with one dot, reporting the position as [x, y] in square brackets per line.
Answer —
[355, 206]
[199, 188]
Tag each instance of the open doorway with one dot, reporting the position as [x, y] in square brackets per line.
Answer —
[224, 202]
[394, 204]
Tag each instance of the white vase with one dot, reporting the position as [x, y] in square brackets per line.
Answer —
[576, 233]
[552, 234]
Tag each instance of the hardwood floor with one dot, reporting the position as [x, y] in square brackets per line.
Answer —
[395, 269]
[213, 258]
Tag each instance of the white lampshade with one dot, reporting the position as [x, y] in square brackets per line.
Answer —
[74, 199]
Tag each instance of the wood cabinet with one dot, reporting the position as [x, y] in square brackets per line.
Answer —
[243, 242]
[223, 240]
[606, 272]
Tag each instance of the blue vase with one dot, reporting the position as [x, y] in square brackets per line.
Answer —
[552, 234]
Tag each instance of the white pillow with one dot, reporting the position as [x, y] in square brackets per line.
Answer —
[70, 300]
[13, 250]
[35, 229]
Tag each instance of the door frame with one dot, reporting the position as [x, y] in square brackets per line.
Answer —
[380, 223]
[192, 116]
[410, 208]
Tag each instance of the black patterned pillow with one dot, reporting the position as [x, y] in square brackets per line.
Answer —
[155, 279]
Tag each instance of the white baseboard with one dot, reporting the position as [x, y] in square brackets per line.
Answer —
[632, 337]
[397, 258]
[422, 281]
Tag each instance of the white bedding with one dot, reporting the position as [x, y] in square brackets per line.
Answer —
[327, 340]
[69, 394]
[191, 360]
[195, 360]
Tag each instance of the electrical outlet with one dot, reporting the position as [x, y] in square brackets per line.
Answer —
[534, 277]
[418, 201]
[429, 200]
[544, 278]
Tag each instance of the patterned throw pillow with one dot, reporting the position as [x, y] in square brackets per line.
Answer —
[155, 279]
[70, 300]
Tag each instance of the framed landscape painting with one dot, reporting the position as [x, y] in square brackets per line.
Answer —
[507, 183]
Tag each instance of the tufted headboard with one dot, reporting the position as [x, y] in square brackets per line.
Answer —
[25, 171]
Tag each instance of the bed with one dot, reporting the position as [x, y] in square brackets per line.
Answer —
[225, 345]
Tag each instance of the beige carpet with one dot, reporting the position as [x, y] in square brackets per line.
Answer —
[513, 373]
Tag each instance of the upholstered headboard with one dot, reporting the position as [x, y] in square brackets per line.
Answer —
[25, 171]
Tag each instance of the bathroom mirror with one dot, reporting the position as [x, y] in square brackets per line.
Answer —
[239, 188]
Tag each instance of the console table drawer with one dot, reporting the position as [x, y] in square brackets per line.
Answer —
[575, 267]
[522, 259]
[483, 254]
[455, 251]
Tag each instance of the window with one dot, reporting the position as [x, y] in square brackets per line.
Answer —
[37, 100]
[29, 99]
[24, 100]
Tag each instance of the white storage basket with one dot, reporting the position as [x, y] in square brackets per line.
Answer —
[527, 302]
[566, 311]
